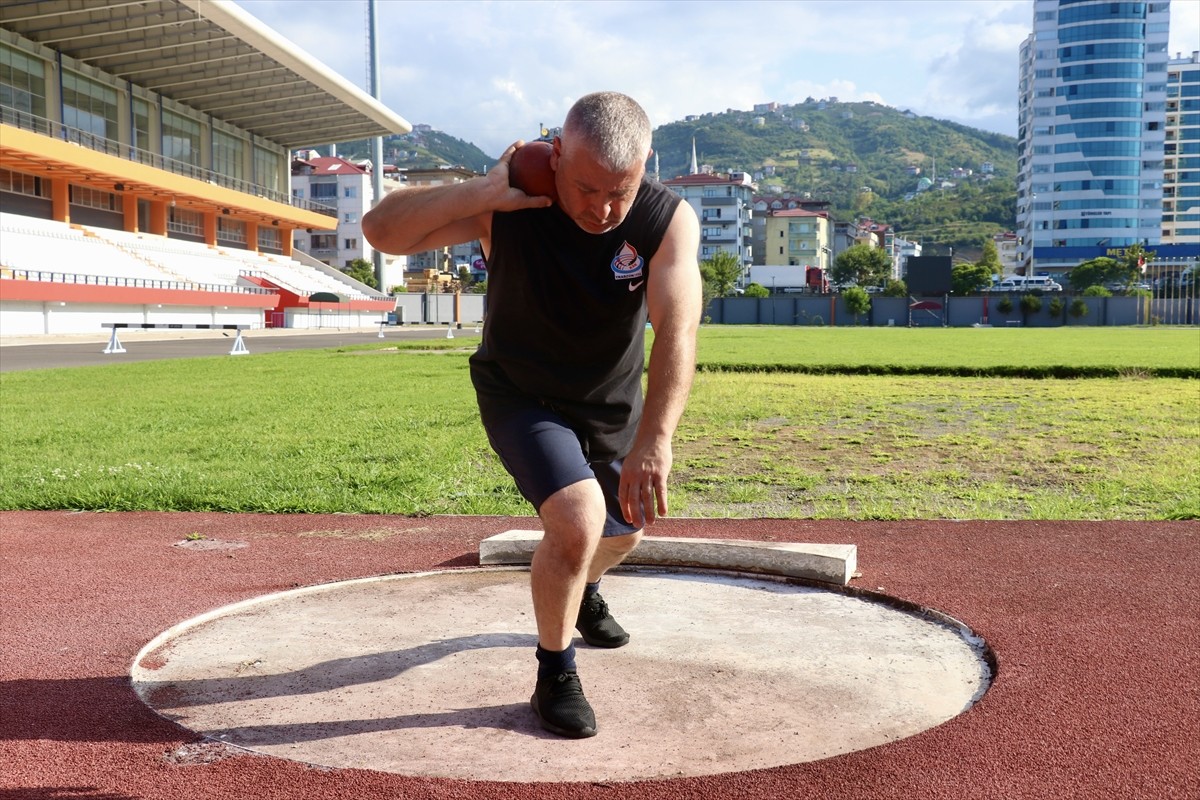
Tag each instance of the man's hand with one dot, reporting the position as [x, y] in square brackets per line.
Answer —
[643, 490]
[510, 198]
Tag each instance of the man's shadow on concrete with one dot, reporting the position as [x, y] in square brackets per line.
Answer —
[173, 698]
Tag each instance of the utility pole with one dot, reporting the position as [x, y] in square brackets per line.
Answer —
[377, 142]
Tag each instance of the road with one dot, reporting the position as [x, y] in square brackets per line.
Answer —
[86, 351]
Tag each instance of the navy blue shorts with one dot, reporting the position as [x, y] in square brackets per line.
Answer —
[543, 453]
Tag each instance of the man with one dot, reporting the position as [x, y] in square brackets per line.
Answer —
[558, 374]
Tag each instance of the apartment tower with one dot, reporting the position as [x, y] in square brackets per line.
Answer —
[1092, 118]
[1181, 179]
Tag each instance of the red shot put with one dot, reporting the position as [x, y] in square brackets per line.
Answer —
[529, 170]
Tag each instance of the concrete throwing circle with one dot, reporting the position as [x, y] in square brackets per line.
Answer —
[430, 674]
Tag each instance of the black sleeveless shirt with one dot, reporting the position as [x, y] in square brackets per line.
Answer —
[566, 317]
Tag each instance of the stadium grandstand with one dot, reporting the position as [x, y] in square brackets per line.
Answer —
[145, 161]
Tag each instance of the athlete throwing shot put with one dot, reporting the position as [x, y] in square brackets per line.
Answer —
[558, 376]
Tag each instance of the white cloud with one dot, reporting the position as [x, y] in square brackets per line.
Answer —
[491, 71]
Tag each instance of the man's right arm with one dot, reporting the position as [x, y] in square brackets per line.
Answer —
[426, 217]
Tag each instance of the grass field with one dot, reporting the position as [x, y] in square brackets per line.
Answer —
[381, 429]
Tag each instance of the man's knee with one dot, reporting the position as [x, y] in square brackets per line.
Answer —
[622, 544]
[573, 518]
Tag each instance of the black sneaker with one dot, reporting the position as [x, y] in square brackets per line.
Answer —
[559, 703]
[597, 626]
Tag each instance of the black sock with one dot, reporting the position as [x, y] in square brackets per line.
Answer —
[590, 589]
[552, 662]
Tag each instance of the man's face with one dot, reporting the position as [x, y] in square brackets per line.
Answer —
[596, 198]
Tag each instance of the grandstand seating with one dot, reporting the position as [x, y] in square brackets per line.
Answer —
[38, 245]
[35, 245]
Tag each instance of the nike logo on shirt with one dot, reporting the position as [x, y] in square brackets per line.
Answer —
[633, 287]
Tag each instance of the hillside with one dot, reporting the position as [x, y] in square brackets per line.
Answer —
[422, 149]
[859, 157]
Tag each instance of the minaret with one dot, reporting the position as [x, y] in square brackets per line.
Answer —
[695, 166]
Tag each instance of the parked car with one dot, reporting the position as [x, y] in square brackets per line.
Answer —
[1037, 282]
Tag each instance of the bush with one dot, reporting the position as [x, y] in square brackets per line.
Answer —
[1030, 303]
[1096, 291]
[857, 301]
[1056, 306]
[1078, 308]
[895, 288]
[1005, 306]
[756, 290]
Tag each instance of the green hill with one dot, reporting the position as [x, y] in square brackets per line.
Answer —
[858, 157]
[422, 149]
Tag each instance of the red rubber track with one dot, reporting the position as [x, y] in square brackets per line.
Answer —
[1094, 626]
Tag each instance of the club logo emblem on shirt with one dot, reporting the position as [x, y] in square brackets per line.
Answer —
[627, 264]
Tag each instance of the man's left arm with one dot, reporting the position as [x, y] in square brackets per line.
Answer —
[673, 297]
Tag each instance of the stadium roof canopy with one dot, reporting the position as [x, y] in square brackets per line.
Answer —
[211, 56]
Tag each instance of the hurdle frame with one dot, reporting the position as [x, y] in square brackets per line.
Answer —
[115, 346]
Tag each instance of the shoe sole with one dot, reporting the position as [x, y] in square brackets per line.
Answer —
[609, 643]
[583, 733]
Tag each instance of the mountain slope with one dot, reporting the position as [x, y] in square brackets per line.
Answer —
[860, 157]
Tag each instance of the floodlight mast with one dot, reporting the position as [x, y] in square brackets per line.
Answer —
[377, 142]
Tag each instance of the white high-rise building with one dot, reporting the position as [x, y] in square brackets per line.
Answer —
[1093, 91]
[1181, 181]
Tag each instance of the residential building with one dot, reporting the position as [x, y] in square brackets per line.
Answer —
[1181, 156]
[724, 204]
[1092, 112]
[1006, 249]
[796, 237]
[346, 187]
[445, 261]
[765, 204]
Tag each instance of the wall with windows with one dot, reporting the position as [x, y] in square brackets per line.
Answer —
[149, 128]
[1181, 179]
[1091, 124]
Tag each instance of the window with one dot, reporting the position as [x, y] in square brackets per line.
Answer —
[350, 244]
[269, 239]
[350, 216]
[228, 155]
[182, 220]
[350, 191]
[141, 125]
[92, 198]
[22, 82]
[231, 230]
[20, 183]
[266, 168]
[181, 138]
[323, 191]
[89, 106]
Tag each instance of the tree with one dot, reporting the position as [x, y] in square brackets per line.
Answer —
[363, 271]
[990, 258]
[1030, 304]
[857, 301]
[720, 273]
[1096, 272]
[968, 278]
[895, 288]
[757, 290]
[861, 264]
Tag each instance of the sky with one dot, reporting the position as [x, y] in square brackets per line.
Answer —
[493, 71]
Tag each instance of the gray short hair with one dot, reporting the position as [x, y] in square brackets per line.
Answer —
[614, 127]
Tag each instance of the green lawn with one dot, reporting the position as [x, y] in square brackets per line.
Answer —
[381, 429]
[953, 350]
